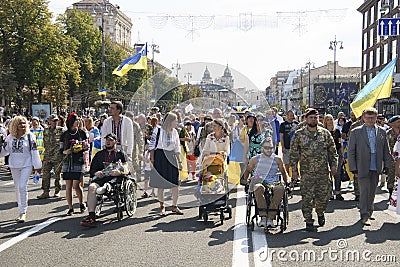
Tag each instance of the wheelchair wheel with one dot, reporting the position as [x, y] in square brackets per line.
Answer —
[130, 198]
[229, 210]
[248, 209]
[222, 217]
[285, 213]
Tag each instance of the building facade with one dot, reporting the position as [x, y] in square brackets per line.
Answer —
[377, 50]
[117, 25]
[313, 87]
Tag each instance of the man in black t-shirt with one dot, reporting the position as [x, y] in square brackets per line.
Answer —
[286, 131]
[102, 172]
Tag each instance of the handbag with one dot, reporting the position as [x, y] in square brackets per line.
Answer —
[344, 177]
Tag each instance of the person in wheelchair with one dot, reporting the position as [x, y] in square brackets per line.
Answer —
[264, 168]
[106, 165]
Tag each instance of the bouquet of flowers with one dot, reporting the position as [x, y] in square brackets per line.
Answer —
[121, 167]
[78, 145]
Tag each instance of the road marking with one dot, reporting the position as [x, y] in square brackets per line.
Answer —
[260, 248]
[9, 183]
[28, 233]
[240, 242]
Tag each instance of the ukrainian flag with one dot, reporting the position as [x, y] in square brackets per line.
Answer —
[379, 87]
[102, 91]
[137, 62]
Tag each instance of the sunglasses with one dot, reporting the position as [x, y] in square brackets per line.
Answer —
[268, 147]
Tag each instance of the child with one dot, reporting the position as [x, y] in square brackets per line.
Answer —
[147, 171]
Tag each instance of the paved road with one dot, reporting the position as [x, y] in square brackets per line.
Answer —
[49, 238]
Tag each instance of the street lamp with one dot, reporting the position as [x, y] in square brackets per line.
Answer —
[103, 8]
[308, 65]
[332, 46]
[176, 67]
[188, 75]
[154, 49]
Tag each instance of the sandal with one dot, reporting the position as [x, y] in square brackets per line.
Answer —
[176, 210]
[162, 209]
[70, 212]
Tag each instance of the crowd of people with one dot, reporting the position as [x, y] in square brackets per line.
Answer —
[315, 151]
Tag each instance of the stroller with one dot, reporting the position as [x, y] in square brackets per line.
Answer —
[213, 188]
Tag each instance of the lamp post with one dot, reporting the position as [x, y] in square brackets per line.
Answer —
[188, 75]
[332, 46]
[154, 49]
[103, 8]
[176, 67]
[308, 66]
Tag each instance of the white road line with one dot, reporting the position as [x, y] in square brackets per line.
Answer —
[9, 183]
[260, 248]
[28, 233]
[240, 242]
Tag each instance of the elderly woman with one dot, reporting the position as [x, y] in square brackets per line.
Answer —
[165, 152]
[20, 144]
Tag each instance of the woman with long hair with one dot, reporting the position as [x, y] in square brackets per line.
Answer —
[20, 144]
[329, 124]
[218, 140]
[254, 137]
[165, 152]
[73, 143]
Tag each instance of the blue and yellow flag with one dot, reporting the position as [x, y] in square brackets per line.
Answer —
[137, 62]
[102, 91]
[377, 88]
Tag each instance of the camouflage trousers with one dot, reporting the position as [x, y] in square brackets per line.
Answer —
[391, 176]
[136, 168]
[316, 190]
[46, 175]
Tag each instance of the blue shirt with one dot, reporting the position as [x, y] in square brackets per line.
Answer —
[371, 132]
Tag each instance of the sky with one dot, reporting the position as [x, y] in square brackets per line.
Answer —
[283, 35]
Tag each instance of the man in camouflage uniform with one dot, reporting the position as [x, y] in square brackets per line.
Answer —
[52, 157]
[313, 147]
[392, 134]
[138, 146]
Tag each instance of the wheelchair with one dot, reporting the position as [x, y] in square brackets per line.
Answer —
[122, 191]
[282, 216]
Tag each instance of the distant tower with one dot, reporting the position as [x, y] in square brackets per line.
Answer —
[206, 77]
[226, 80]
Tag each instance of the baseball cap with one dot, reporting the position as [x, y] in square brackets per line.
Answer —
[111, 136]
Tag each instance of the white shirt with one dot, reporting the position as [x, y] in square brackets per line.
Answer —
[126, 133]
[21, 155]
[168, 141]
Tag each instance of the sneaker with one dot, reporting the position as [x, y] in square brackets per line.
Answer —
[339, 197]
[310, 227]
[70, 212]
[82, 207]
[57, 193]
[21, 218]
[321, 220]
[145, 195]
[44, 195]
[88, 222]
[270, 223]
[263, 222]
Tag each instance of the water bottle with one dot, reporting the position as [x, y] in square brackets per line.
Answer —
[36, 178]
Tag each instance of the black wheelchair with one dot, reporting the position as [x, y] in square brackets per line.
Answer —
[282, 215]
[122, 191]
